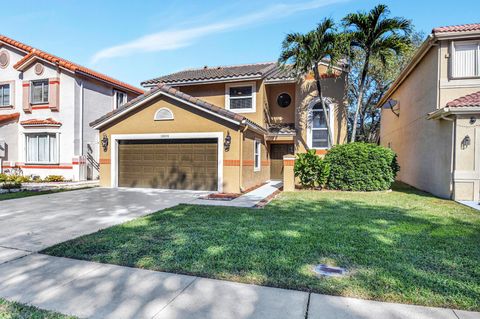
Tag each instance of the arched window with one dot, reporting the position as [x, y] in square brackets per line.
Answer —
[317, 131]
[163, 114]
[319, 127]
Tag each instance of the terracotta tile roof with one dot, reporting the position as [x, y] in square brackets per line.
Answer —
[458, 28]
[9, 117]
[466, 101]
[258, 70]
[281, 73]
[33, 52]
[182, 96]
[35, 122]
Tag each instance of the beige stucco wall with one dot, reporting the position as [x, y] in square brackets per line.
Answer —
[186, 120]
[334, 88]
[424, 147]
[275, 113]
[467, 159]
[189, 120]
[215, 94]
[250, 177]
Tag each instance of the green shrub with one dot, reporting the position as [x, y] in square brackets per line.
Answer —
[8, 185]
[311, 170]
[361, 167]
[3, 177]
[54, 178]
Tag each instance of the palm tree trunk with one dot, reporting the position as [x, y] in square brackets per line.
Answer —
[360, 96]
[320, 95]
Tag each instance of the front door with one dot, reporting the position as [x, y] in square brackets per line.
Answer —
[277, 151]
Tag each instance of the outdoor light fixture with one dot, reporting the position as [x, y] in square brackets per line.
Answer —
[465, 142]
[473, 119]
[228, 141]
[105, 142]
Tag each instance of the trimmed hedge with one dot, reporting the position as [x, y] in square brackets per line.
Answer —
[361, 167]
[311, 170]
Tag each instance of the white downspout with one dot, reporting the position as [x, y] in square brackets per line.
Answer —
[81, 118]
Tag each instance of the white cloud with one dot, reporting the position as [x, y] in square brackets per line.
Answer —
[179, 38]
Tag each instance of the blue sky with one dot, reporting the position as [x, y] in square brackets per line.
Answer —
[138, 40]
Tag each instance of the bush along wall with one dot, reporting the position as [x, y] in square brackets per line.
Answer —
[361, 167]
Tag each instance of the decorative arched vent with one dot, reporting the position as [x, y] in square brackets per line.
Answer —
[38, 69]
[163, 114]
[4, 59]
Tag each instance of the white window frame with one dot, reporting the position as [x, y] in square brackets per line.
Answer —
[10, 94]
[57, 145]
[330, 109]
[253, 85]
[477, 59]
[115, 93]
[43, 86]
[257, 152]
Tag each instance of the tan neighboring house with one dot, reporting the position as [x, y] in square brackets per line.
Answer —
[223, 129]
[431, 115]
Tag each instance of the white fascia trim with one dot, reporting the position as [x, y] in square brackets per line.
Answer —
[280, 81]
[101, 124]
[331, 111]
[159, 136]
[447, 111]
[220, 80]
[254, 97]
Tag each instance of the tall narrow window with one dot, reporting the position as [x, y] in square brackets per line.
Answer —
[39, 92]
[41, 148]
[466, 58]
[120, 98]
[5, 95]
[257, 155]
[319, 130]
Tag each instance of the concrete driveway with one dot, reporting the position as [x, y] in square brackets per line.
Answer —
[34, 223]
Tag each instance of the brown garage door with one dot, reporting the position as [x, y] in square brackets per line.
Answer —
[171, 164]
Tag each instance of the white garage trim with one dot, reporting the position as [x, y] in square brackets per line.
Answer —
[165, 136]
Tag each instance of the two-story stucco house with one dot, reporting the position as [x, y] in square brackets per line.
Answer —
[46, 105]
[431, 115]
[218, 128]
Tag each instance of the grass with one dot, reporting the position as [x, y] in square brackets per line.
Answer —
[22, 194]
[15, 310]
[401, 246]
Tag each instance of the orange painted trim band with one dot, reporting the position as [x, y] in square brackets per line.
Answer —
[26, 84]
[46, 166]
[288, 162]
[54, 82]
[40, 107]
[104, 161]
[321, 152]
[231, 162]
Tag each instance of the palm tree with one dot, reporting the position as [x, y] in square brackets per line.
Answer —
[306, 51]
[378, 37]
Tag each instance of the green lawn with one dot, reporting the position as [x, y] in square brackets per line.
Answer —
[14, 310]
[402, 246]
[22, 194]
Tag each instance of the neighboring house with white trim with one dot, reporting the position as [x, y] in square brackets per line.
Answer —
[431, 115]
[46, 105]
[219, 128]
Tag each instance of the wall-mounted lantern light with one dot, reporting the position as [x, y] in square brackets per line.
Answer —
[473, 119]
[465, 142]
[105, 142]
[227, 142]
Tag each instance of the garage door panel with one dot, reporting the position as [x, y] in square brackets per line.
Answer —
[174, 164]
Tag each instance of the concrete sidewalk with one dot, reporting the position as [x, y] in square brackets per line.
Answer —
[93, 290]
[247, 200]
